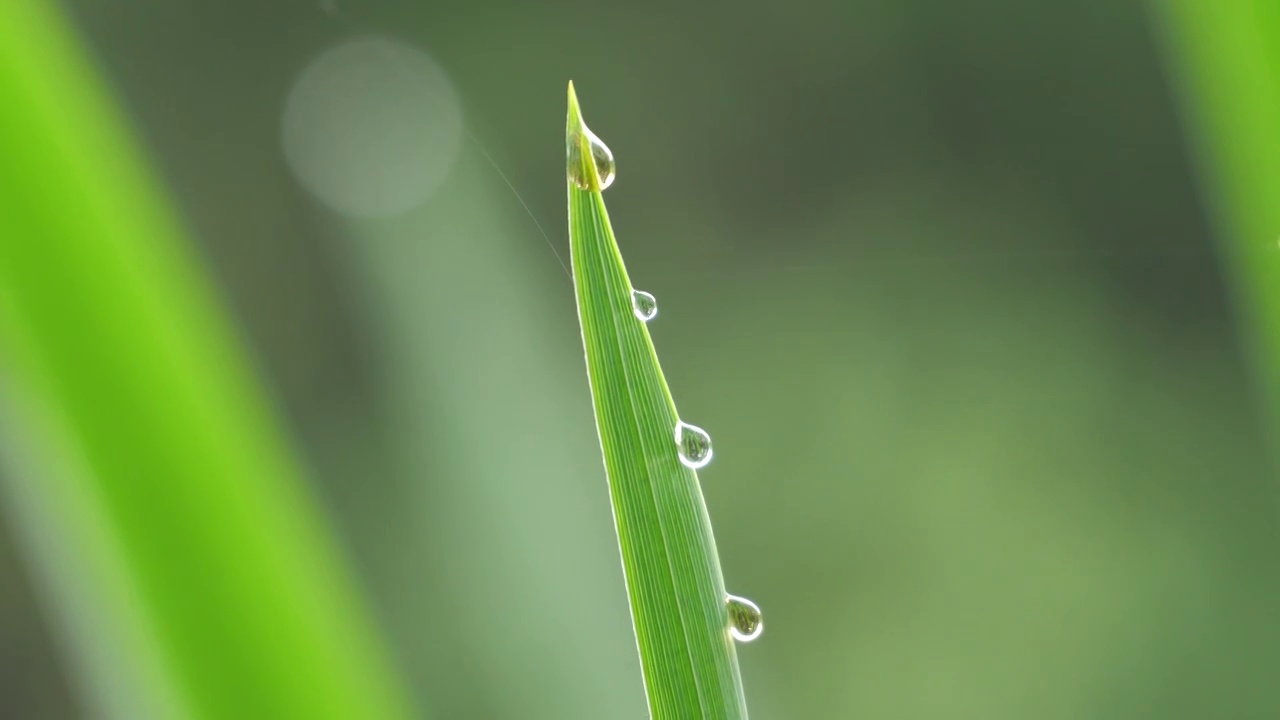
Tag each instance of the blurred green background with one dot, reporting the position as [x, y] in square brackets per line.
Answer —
[938, 278]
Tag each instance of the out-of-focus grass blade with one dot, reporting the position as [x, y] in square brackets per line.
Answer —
[107, 326]
[1225, 62]
[668, 552]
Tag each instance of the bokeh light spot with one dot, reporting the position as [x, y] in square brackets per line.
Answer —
[372, 127]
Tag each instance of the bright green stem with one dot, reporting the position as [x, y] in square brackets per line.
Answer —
[1225, 57]
[116, 340]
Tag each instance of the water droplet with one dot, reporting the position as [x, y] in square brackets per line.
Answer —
[693, 444]
[600, 154]
[745, 620]
[644, 304]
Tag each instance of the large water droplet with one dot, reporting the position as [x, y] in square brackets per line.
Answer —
[644, 304]
[693, 444]
[745, 621]
[600, 155]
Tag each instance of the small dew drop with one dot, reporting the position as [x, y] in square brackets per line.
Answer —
[693, 444]
[600, 154]
[745, 620]
[644, 304]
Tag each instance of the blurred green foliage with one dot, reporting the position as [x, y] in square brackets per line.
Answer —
[935, 276]
[1227, 56]
[154, 491]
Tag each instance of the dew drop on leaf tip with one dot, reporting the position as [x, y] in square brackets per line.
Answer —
[600, 155]
[644, 304]
[745, 621]
[693, 445]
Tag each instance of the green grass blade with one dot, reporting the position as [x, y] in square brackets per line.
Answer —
[115, 340]
[1225, 61]
[668, 552]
